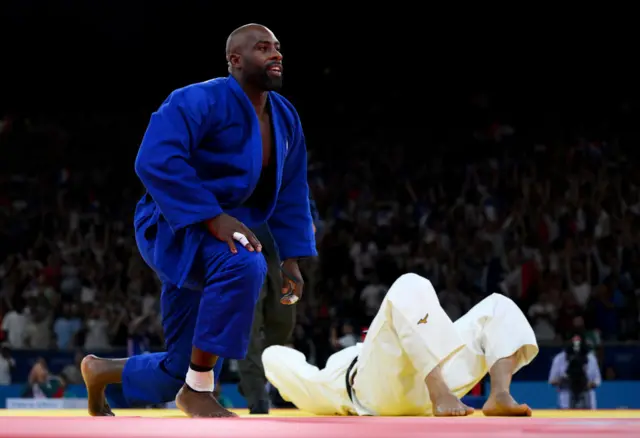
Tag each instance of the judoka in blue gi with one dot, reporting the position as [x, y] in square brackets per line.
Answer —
[218, 158]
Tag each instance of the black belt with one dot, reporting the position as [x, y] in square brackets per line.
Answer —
[348, 380]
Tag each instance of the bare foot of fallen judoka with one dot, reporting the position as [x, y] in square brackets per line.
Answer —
[444, 402]
[448, 405]
[502, 404]
[200, 404]
[97, 374]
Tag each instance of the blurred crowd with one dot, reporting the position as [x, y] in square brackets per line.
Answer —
[552, 222]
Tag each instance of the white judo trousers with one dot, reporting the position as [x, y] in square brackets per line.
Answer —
[408, 338]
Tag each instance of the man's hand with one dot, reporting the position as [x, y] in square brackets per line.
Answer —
[292, 283]
[228, 229]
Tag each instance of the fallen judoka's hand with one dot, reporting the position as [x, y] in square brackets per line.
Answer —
[229, 229]
[292, 282]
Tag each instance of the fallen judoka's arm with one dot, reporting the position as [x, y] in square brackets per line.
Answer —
[162, 165]
[291, 222]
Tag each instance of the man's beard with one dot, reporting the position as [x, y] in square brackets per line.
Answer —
[269, 83]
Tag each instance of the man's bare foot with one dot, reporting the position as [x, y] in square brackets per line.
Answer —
[95, 373]
[502, 404]
[200, 404]
[448, 405]
[444, 403]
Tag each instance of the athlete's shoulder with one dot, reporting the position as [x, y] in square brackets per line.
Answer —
[205, 90]
[200, 97]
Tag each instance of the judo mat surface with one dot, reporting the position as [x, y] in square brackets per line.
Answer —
[297, 424]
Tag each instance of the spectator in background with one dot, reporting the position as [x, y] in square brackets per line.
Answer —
[66, 327]
[99, 331]
[7, 365]
[363, 253]
[14, 325]
[37, 332]
[142, 332]
[372, 295]
[38, 380]
[71, 372]
[607, 305]
[543, 316]
[348, 338]
[575, 373]
[342, 336]
[578, 274]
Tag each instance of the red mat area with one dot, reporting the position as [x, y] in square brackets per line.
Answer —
[360, 427]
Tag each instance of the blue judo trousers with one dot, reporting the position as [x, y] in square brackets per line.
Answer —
[202, 156]
[156, 378]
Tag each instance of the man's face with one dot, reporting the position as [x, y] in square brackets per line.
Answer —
[260, 60]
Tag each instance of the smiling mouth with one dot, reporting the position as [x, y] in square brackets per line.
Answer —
[275, 70]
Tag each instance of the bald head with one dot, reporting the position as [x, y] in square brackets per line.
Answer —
[238, 38]
[253, 56]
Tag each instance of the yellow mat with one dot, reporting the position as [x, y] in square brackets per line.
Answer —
[159, 413]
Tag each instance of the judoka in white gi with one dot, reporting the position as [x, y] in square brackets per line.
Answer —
[414, 360]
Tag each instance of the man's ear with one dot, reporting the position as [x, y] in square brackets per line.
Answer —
[233, 60]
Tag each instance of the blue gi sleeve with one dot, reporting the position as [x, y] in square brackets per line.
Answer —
[291, 222]
[162, 164]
